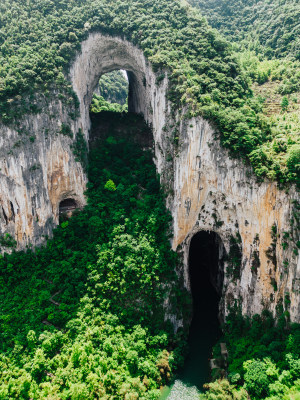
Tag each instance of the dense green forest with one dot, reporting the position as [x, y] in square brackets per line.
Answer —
[99, 104]
[83, 316]
[99, 287]
[270, 27]
[264, 359]
[39, 40]
[265, 37]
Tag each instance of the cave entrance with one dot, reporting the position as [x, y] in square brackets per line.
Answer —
[67, 207]
[206, 273]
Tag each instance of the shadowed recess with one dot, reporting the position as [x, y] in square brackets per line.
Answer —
[206, 278]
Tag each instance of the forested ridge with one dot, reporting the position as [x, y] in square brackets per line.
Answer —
[265, 37]
[40, 39]
[270, 27]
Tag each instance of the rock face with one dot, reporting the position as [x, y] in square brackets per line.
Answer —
[213, 192]
[37, 171]
[207, 190]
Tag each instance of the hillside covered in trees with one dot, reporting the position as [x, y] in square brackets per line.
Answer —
[90, 313]
[265, 36]
[39, 40]
[269, 27]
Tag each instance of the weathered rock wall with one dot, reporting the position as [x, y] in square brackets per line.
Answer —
[207, 190]
[101, 54]
[37, 171]
[214, 192]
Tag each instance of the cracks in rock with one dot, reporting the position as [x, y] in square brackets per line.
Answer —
[5, 216]
[12, 211]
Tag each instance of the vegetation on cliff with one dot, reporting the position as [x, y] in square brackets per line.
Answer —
[99, 104]
[83, 317]
[264, 358]
[111, 94]
[267, 49]
[38, 41]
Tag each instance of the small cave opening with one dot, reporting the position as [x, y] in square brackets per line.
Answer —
[67, 206]
[206, 271]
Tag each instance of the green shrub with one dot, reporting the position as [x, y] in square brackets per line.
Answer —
[284, 103]
[110, 186]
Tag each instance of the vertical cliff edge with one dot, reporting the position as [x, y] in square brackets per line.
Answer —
[207, 190]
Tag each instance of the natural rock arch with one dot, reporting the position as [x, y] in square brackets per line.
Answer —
[207, 189]
[102, 54]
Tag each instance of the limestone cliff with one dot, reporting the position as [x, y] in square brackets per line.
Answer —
[207, 190]
[214, 192]
[37, 171]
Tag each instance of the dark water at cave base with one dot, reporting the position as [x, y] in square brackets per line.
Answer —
[205, 328]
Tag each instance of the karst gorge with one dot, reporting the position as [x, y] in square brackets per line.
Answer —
[149, 199]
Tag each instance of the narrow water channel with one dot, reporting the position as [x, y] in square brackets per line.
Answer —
[205, 329]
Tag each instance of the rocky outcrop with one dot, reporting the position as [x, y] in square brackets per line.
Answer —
[214, 192]
[207, 190]
[37, 171]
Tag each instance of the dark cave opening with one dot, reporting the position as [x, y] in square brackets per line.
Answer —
[205, 269]
[206, 280]
[67, 205]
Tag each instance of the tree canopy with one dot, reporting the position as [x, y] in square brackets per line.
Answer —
[270, 26]
[39, 39]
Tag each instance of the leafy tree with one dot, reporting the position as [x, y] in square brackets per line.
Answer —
[223, 390]
[284, 103]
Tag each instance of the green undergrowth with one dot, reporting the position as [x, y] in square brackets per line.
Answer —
[100, 284]
[99, 104]
[264, 359]
[39, 40]
[285, 72]
[276, 83]
[268, 27]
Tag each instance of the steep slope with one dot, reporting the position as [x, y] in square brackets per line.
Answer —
[222, 166]
[44, 157]
[270, 27]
